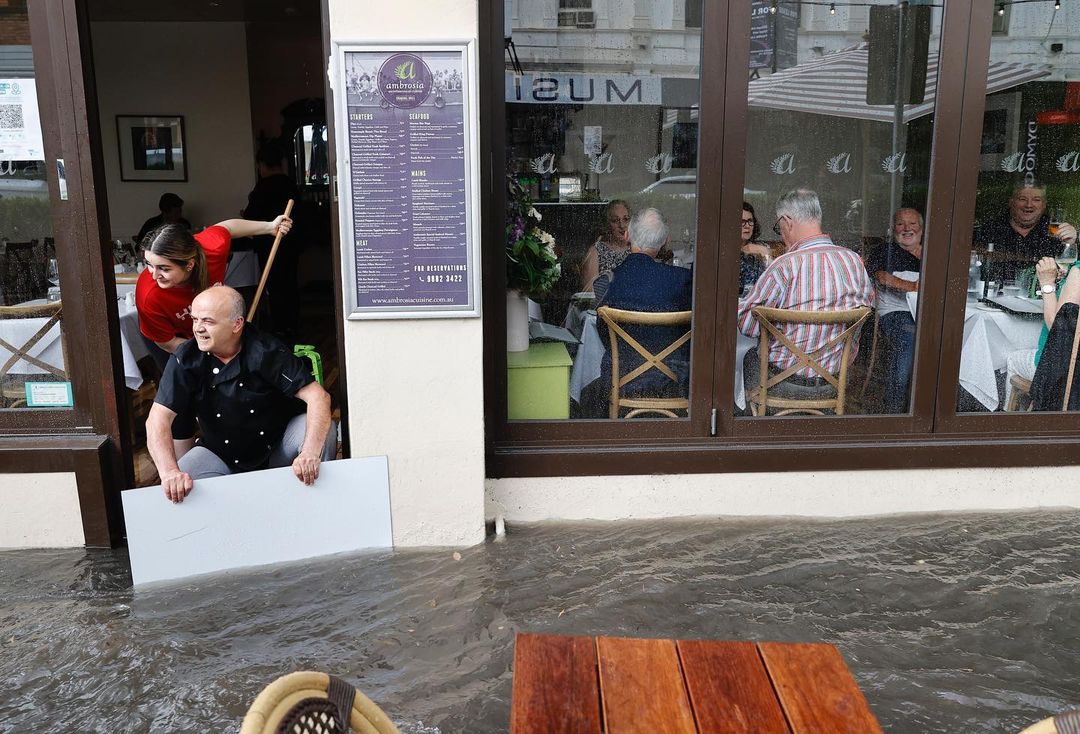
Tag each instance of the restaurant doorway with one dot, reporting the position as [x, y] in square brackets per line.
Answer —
[230, 93]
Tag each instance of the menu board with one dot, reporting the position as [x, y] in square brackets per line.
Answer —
[407, 176]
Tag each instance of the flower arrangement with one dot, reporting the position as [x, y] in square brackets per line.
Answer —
[532, 260]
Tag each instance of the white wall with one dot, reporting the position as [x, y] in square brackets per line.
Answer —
[198, 70]
[415, 386]
[809, 494]
[40, 511]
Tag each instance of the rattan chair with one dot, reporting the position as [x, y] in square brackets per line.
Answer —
[307, 702]
[833, 393]
[615, 319]
[12, 387]
[1067, 722]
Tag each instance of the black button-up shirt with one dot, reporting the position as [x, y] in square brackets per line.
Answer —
[243, 406]
[1019, 251]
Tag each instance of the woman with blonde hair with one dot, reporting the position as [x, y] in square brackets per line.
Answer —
[611, 248]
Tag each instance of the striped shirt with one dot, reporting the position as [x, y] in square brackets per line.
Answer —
[813, 275]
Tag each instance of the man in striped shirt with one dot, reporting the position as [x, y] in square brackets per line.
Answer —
[812, 275]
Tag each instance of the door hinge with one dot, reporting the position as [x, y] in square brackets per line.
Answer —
[712, 423]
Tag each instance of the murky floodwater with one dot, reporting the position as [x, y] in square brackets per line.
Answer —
[949, 623]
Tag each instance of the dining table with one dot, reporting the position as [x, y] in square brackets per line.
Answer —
[49, 349]
[991, 333]
[622, 685]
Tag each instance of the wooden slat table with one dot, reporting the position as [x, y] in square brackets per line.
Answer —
[615, 685]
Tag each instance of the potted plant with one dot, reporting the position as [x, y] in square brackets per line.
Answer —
[532, 263]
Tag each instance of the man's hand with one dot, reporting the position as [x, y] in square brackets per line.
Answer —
[1066, 233]
[1047, 271]
[306, 468]
[177, 485]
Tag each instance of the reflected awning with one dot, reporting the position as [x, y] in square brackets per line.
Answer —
[836, 85]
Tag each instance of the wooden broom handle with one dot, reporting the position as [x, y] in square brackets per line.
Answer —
[269, 264]
[1072, 365]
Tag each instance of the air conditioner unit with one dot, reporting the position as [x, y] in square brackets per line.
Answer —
[586, 19]
[577, 19]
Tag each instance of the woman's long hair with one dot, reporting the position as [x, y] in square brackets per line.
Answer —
[174, 242]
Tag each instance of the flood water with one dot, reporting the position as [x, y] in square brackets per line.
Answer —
[961, 623]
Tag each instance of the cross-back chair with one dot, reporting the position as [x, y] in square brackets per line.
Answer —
[616, 319]
[832, 394]
[12, 387]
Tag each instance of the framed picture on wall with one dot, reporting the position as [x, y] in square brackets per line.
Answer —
[1001, 131]
[151, 147]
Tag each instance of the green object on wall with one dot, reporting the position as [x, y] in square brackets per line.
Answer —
[538, 382]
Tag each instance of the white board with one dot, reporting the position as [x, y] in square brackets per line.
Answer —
[258, 518]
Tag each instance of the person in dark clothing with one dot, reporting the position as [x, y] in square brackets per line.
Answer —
[641, 283]
[895, 270]
[271, 194]
[172, 212]
[257, 405]
[1021, 236]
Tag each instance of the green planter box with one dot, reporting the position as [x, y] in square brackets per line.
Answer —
[538, 382]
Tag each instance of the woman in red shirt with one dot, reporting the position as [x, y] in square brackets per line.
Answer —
[179, 266]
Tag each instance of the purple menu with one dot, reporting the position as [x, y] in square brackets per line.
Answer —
[406, 137]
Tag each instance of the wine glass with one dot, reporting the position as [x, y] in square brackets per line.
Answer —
[1067, 258]
[52, 272]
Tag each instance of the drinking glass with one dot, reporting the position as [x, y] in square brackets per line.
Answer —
[52, 272]
[1067, 257]
[1057, 216]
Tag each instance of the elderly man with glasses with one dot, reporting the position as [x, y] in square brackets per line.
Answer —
[813, 274]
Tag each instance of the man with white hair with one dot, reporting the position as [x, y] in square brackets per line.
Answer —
[642, 283]
[813, 274]
[257, 405]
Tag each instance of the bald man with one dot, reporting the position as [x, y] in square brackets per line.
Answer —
[257, 405]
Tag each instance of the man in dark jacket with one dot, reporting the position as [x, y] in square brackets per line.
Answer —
[641, 283]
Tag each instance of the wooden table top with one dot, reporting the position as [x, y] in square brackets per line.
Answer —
[617, 685]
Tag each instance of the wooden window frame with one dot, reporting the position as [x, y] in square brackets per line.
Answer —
[85, 439]
[932, 435]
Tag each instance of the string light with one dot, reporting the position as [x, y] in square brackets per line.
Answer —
[1057, 4]
[772, 9]
[1001, 9]
[832, 8]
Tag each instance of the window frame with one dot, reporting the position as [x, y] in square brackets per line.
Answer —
[932, 435]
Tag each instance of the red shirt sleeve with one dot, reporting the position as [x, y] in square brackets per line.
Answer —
[217, 244]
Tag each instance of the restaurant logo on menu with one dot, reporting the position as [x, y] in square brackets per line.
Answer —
[405, 81]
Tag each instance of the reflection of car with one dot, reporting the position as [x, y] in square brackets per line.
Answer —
[673, 185]
[685, 186]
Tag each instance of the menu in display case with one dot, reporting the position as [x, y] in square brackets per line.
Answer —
[407, 177]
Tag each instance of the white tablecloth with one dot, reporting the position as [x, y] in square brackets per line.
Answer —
[990, 334]
[591, 352]
[50, 351]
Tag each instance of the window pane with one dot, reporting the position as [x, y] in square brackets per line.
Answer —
[601, 153]
[33, 371]
[841, 103]
[1027, 209]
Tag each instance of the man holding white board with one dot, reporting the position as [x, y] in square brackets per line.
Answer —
[257, 404]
